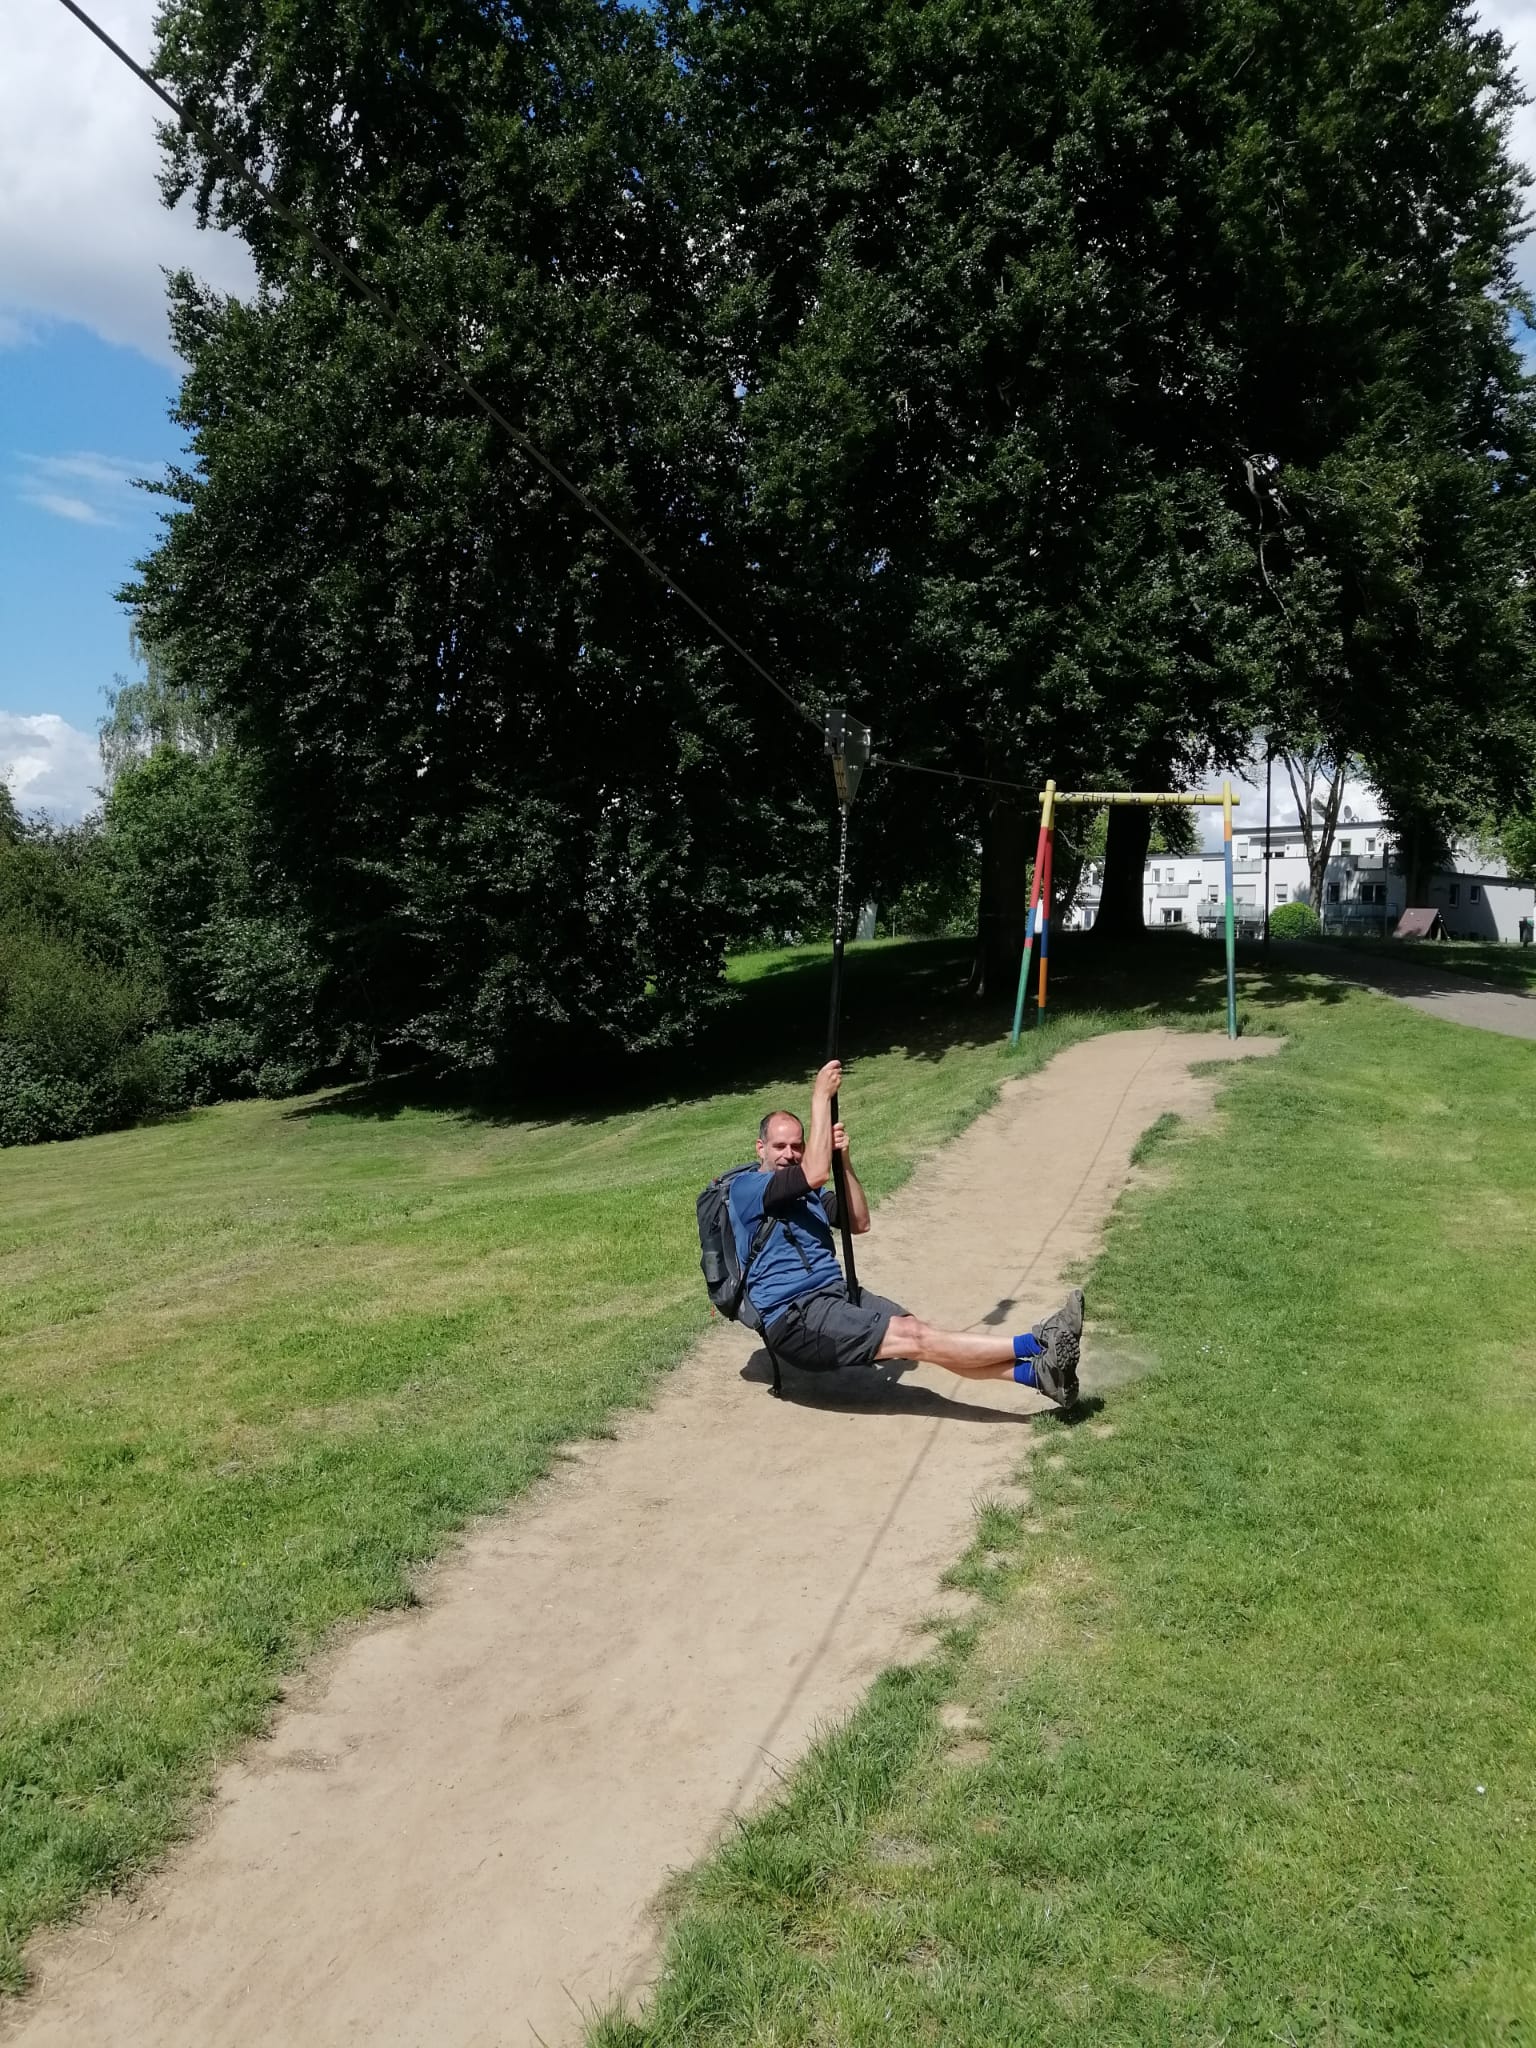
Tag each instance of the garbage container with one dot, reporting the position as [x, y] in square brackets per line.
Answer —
[1527, 930]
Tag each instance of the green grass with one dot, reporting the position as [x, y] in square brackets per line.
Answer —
[256, 1364]
[1251, 1754]
[1482, 959]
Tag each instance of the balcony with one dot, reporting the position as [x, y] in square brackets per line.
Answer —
[1360, 917]
[1247, 918]
[1247, 866]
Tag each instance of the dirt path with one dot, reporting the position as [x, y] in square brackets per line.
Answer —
[1418, 982]
[456, 1840]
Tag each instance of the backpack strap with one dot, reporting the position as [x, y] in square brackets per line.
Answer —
[760, 1237]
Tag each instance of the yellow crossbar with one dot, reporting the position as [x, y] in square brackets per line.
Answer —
[1125, 796]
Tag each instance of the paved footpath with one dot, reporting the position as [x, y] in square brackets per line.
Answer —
[1418, 982]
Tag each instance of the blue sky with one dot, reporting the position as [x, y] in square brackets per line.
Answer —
[87, 375]
[79, 419]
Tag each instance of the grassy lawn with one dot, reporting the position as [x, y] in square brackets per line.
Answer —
[256, 1363]
[1483, 959]
[1241, 1747]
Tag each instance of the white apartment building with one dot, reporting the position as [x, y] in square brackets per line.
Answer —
[1362, 891]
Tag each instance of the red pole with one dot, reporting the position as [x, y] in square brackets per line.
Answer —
[1029, 931]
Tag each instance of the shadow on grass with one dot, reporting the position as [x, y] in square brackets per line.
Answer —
[911, 998]
[1401, 967]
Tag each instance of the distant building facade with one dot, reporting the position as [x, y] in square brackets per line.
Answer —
[1362, 890]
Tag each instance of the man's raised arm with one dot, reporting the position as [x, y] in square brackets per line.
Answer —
[858, 1201]
[818, 1139]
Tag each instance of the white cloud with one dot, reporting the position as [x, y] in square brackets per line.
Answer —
[83, 232]
[68, 508]
[1248, 795]
[91, 489]
[49, 765]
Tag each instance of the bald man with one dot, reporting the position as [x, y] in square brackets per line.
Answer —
[796, 1285]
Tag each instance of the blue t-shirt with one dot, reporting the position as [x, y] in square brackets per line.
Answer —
[797, 1257]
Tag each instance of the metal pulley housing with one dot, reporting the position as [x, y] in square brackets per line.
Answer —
[848, 751]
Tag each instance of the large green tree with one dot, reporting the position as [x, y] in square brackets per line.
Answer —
[1117, 376]
[965, 284]
[499, 762]
[1067, 383]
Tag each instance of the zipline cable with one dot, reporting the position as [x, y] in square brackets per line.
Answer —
[950, 774]
[233, 168]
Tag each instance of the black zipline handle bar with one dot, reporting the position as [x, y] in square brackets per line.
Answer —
[838, 1168]
[834, 1018]
[848, 746]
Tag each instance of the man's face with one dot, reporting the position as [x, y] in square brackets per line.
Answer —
[784, 1144]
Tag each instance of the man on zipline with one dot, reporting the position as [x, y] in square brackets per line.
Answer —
[796, 1284]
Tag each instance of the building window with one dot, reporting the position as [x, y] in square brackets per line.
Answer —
[1173, 917]
[1370, 846]
[1345, 845]
[1475, 893]
[1454, 893]
[1211, 896]
[1282, 892]
[1373, 892]
[1333, 892]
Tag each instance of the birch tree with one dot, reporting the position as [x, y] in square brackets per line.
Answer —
[1317, 782]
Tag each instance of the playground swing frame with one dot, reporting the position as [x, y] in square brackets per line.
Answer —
[1038, 926]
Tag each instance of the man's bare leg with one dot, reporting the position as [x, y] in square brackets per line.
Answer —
[1044, 1357]
[974, 1355]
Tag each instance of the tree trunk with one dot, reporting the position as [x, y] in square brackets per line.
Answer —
[1125, 866]
[1007, 849]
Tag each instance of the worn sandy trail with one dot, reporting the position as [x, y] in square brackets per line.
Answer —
[456, 1842]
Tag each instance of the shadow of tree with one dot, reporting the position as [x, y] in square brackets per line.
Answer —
[910, 998]
[1410, 973]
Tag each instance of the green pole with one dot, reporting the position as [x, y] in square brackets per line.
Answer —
[1226, 836]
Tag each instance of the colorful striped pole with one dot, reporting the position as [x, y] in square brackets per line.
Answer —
[1032, 927]
[1226, 847]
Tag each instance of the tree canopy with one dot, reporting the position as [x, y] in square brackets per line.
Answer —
[1120, 378]
[1068, 384]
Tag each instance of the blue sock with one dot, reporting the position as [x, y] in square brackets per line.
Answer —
[1024, 1349]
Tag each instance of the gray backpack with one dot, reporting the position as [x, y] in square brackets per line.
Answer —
[725, 1277]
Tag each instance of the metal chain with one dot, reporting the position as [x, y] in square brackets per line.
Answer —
[842, 867]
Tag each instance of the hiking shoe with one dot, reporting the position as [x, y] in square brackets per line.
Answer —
[1060, 1338]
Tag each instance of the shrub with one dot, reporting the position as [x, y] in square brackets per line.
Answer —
[73, 1052]
[1294, 921]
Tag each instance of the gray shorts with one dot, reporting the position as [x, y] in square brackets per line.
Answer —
[823, 1331]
